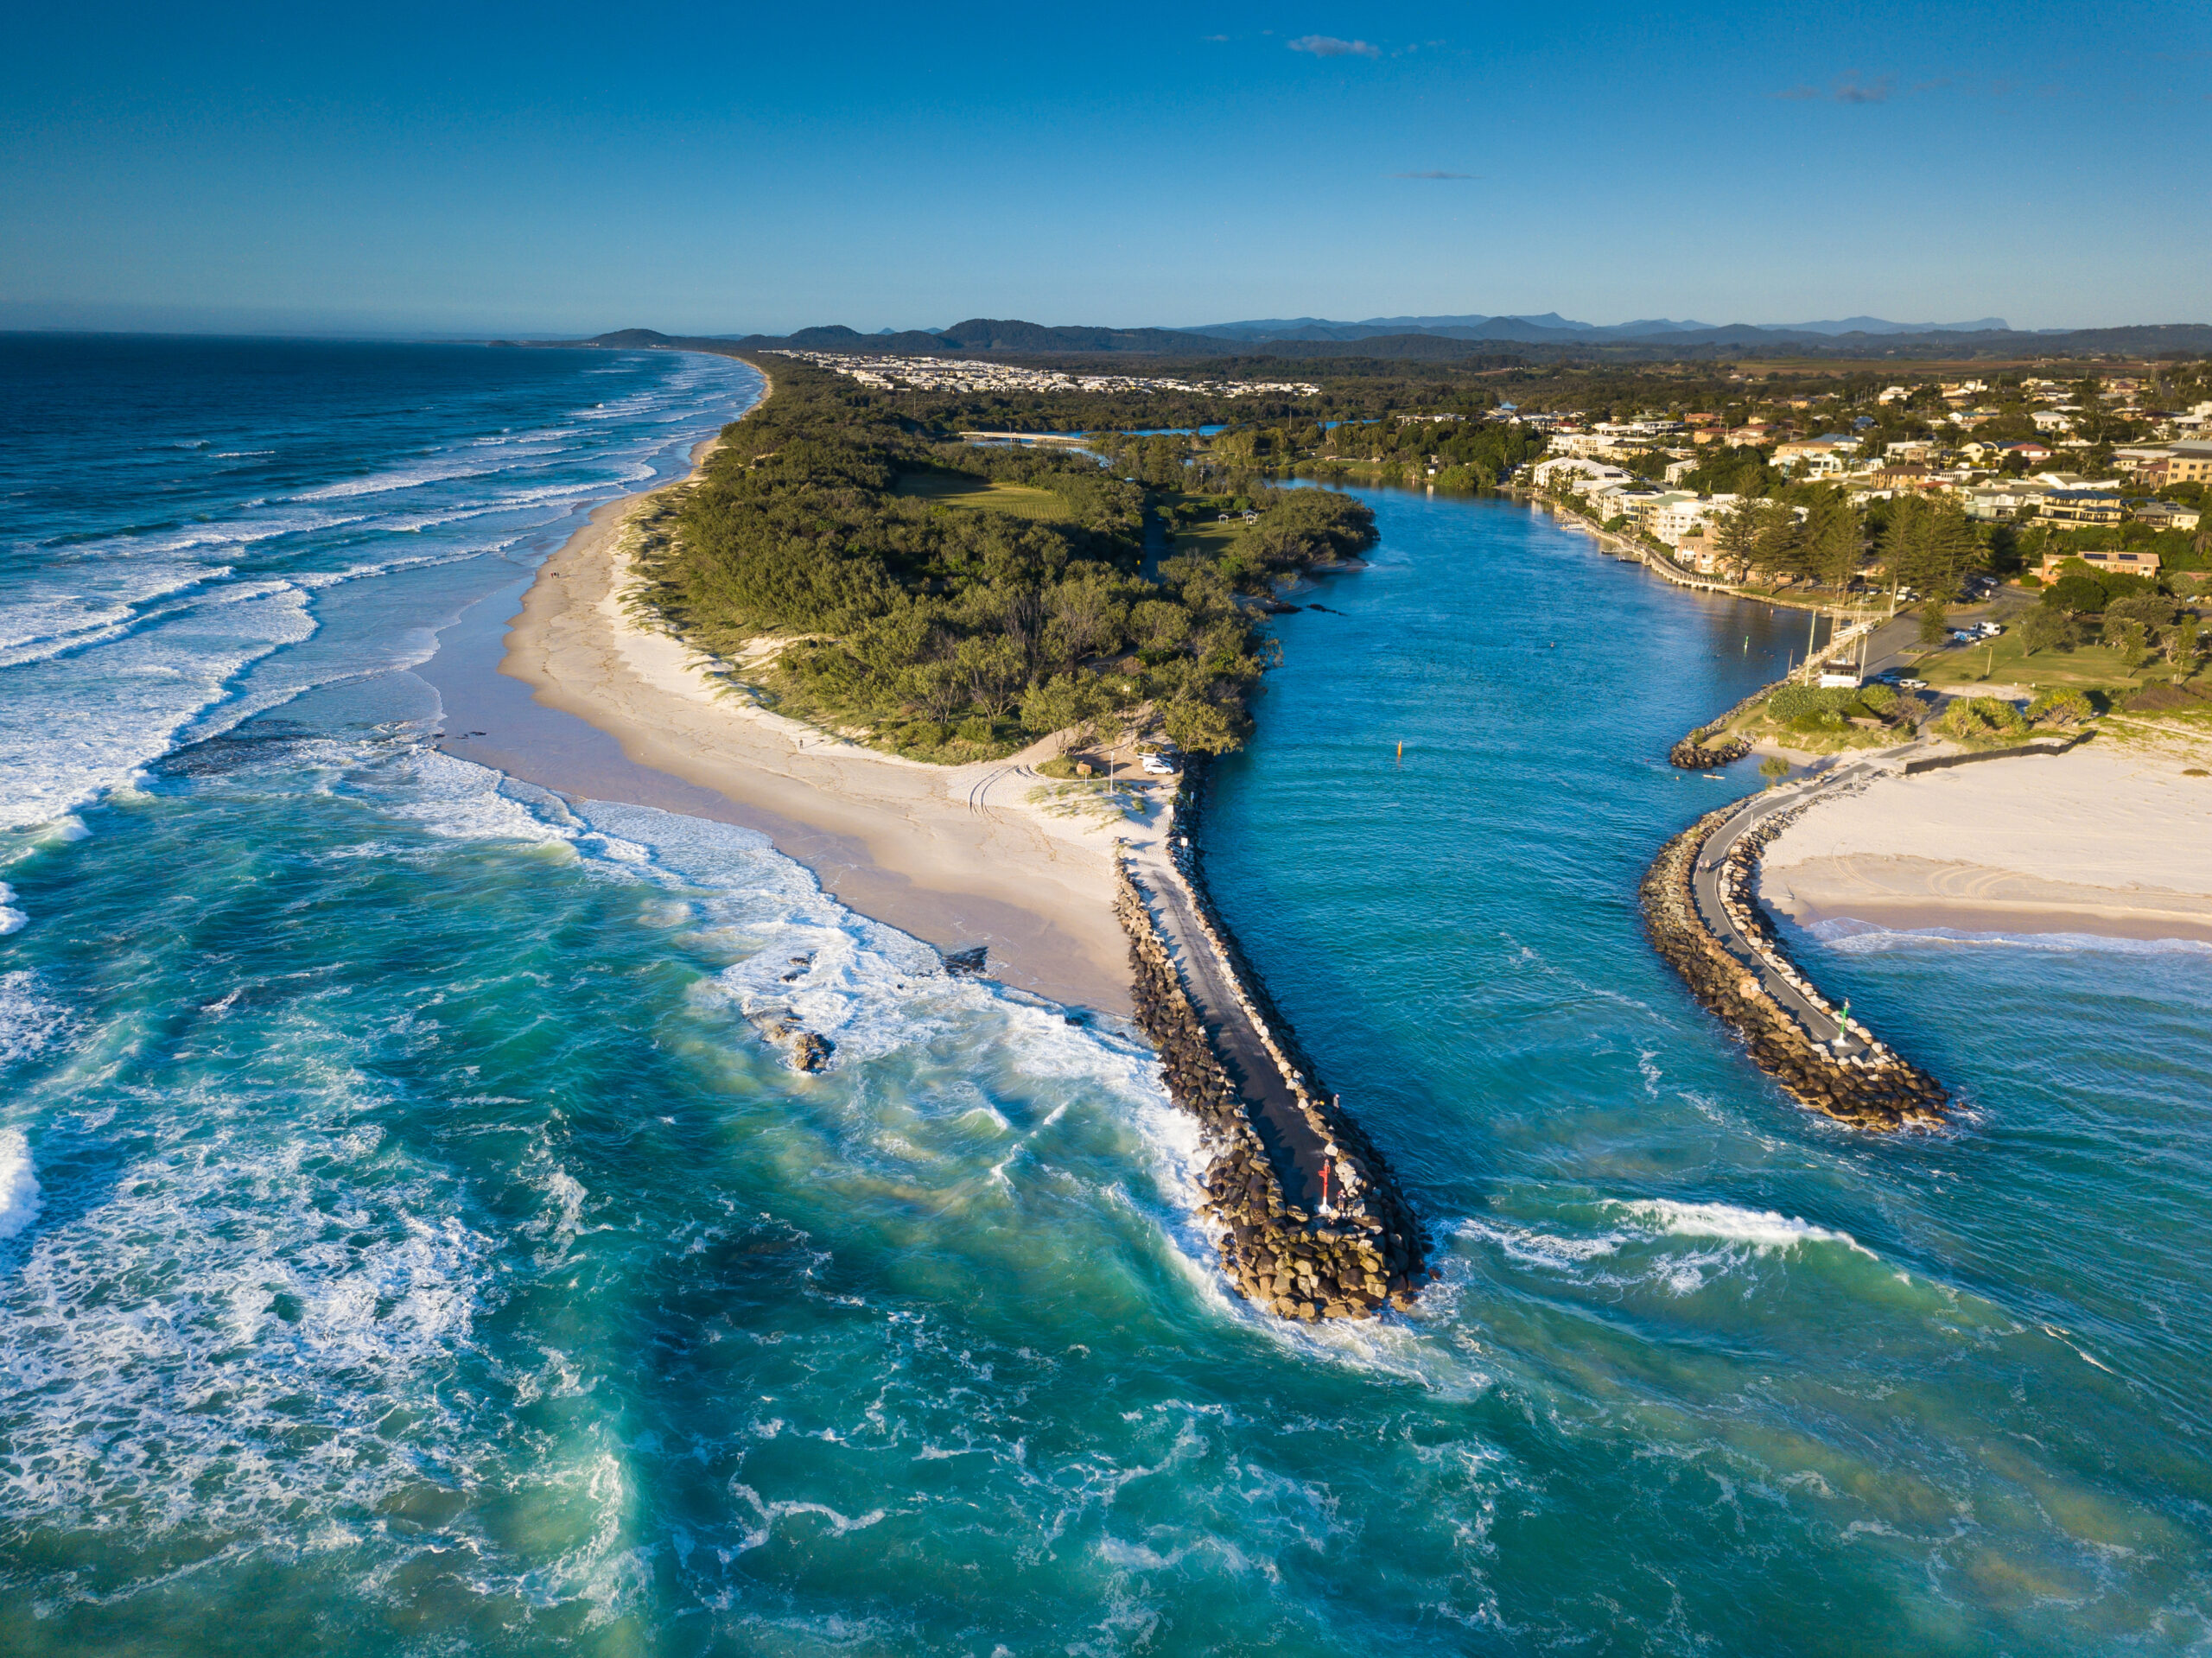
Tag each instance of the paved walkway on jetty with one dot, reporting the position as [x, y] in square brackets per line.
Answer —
[1705, 886]
[1293, 1148]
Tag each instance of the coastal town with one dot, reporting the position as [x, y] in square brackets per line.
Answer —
[2098, 455]
[898, 373]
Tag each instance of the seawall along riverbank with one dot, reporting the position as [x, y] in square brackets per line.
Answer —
[1312, 1222]
[1701, 906]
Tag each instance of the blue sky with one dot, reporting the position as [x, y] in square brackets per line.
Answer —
[719, 167]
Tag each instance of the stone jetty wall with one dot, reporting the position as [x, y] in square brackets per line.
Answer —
[1692, 755]
[1878, 1089]
[1368, 1251]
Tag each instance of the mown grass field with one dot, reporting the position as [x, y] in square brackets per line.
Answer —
[2003, 661]
[1018, 500]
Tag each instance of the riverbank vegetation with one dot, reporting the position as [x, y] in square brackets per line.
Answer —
[872, 574]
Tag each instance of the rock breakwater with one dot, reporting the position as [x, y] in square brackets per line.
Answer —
[1691, 754]
[1870, 1086]
[1343, 1252]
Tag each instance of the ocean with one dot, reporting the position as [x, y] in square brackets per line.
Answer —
[406, 1246]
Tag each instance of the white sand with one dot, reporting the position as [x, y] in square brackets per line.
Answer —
[2112, 838]
[956, 856]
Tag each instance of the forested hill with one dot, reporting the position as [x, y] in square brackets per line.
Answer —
[955, 603]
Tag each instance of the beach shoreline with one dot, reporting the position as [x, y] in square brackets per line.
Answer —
[958, 856]
[2109, 840]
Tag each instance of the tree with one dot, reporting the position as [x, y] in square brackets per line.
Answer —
[2060, 707]
[1200, 726]
[1929, 546]
[2179, 642]
[992, 670]
[1068, 701]
[1933, 626]
[1779, 550]
[1740, 535]
[1835, 542]
[2048, 628]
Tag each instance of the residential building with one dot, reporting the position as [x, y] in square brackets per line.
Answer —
[2080, 506]
[1816, 457]
[2191, 463]
[1616, 499]
[1556, 469]
[1669, 518]
[2001, 502]
[2165, 515]
[2112, 562]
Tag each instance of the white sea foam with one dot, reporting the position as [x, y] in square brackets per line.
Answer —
[1761, 1230]
[11, 918]
[407, 477]
[70, 729]
[236, 1282]
[1865, 938]
[19, 1199]
[1538, 1248]
[462, 801]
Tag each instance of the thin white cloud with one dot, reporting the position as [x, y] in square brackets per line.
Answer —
[1328, 45]
[1851, 89]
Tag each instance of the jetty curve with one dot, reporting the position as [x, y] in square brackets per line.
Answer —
[1701, 905]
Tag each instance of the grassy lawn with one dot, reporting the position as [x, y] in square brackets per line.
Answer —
[2002, 661]
[981, 495]
[1208, 538]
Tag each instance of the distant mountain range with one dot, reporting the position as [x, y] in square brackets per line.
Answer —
[1550, 328]
[1468, 340]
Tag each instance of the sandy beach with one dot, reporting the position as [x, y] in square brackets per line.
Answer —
[958, 856]
[2113, 839]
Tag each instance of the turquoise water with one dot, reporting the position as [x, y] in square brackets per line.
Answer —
[424, 1255]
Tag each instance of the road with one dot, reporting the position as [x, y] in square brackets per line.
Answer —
[1291, 1145]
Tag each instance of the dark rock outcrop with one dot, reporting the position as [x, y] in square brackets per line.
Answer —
[1693, 755]
[802, 1049]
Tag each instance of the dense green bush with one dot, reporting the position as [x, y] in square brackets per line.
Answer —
[1814, 708]
[1793, 702]
[943, 624]
[1981, 718]
[2060, 707]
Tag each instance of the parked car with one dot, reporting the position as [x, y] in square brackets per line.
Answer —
[1157, 765]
